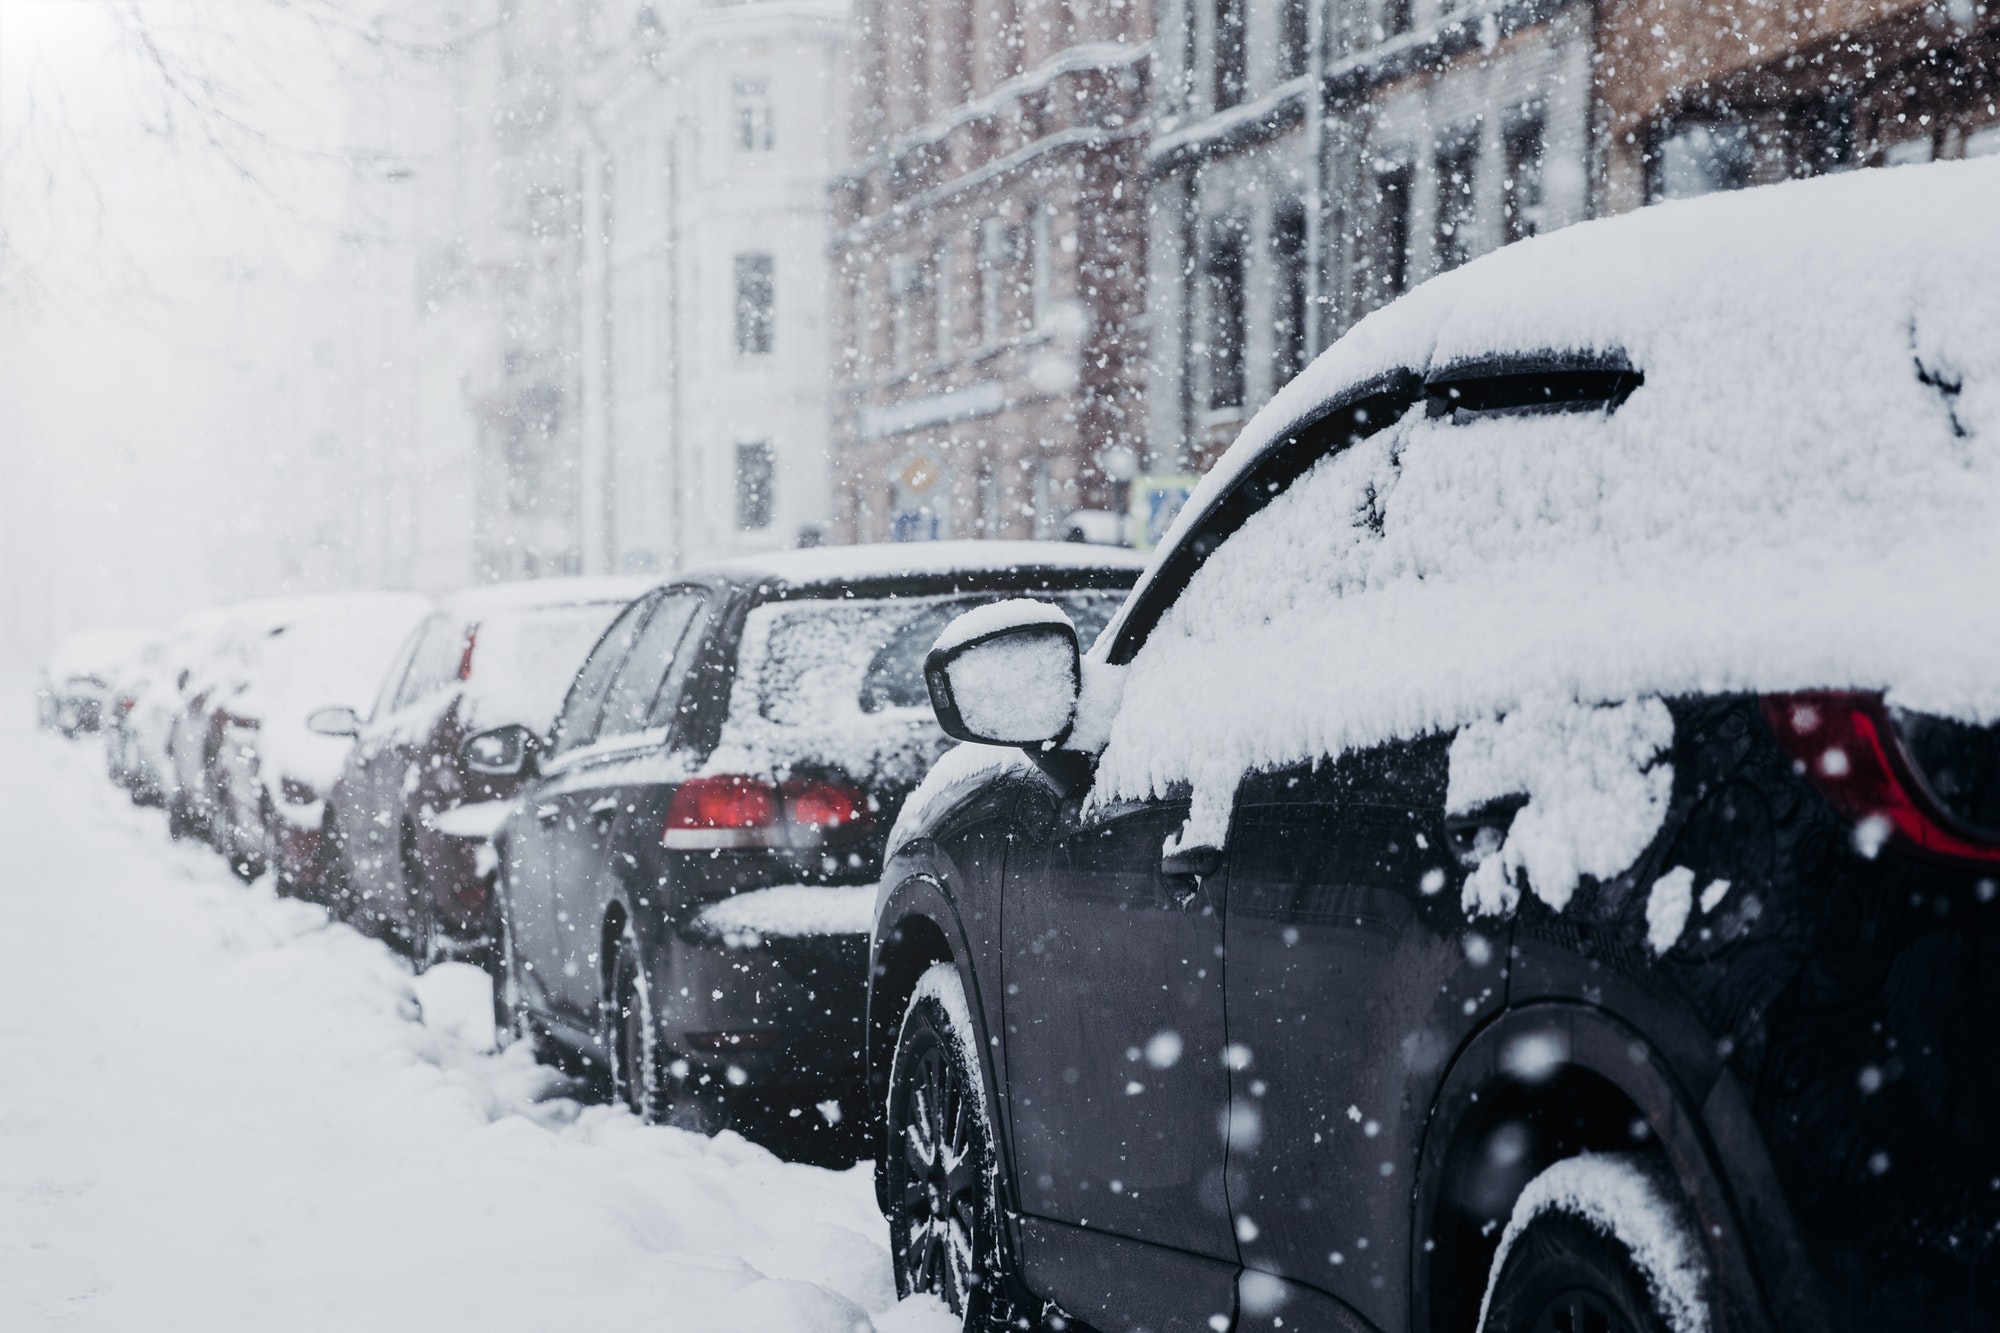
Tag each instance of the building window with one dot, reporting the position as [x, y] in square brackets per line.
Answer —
[943, 288]
[1223, 266]
[1457, 160]
[1524, 145]
[1397, 17]
[906, 284]
[1702, 159]
[860, 337]
[1392, 228]
[756, 477]
[752, 97]
[991, 520]
[999, 252]
[1288, 303]
[755, 299]
[1231, 53]
[1294, 39]
[1042, 258]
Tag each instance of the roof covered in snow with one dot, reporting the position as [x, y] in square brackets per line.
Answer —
[844, 564]
[1804, 491]
[528, 594]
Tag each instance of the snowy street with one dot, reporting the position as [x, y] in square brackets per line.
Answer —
[220, 1112]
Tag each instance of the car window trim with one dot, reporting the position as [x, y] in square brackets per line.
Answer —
[1343, 421]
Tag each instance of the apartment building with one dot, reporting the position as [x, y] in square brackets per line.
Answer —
[989, 267]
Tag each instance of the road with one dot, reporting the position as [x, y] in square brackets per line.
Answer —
[220, 1112]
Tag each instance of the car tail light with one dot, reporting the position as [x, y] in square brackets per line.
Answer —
[720, 813]
[465, 654]
[733, 812]
[825, 805]
[1852, 751]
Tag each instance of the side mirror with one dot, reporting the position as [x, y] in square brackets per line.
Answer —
[503, 752]
[334, 720]
[1006, 674]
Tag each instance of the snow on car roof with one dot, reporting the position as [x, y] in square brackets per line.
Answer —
[842, 564]
[1804, 492]
[528, 594]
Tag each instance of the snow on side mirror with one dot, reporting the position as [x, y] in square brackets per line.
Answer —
[334, 720]
[503, 752]
[1006, 674]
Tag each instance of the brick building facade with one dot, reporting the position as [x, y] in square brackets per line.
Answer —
[989, 265]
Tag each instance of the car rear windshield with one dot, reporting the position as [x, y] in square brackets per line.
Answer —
[523, 661]
[839, 683]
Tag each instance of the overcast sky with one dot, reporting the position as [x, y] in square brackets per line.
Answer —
[171, 174]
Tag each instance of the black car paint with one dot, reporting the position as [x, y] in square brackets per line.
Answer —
[575, 884]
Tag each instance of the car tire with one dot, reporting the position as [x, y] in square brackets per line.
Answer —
[334, 881]
[421, 912]
[943, 1184]
[1562, 1273]
[631, 1040]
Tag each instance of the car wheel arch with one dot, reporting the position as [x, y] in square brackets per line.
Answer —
[1601, 1077]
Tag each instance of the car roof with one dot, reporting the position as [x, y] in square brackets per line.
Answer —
[832, 565]
[534, 594]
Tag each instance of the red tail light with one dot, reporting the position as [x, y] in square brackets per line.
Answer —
[731, 812]
[1844, 744]
[827, 805]
[465, 654]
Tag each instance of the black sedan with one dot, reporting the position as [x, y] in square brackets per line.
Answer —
[687, 884]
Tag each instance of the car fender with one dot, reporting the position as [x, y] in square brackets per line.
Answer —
[1705, 1135]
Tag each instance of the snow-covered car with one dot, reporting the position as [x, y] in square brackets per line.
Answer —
[124, 761]
[403, 848]
[1525, 855]
[74, 690]
[221, 656]
[688, 883]
[272, 769]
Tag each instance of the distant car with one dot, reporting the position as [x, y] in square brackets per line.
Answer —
[272, 770]
[399, 843]
[219, 668]
[688, 881]
[1525, 857]
[124, 761]
[73, 693]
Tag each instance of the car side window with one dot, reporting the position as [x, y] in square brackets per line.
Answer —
[434, 665]
[669, 702]
[392, 683]
[628, 704]
[1355, 415]
[578, 724]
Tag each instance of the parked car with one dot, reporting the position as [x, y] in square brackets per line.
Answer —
[271, 768]
[399, 843]
[145, 729]
[220, 666]
[1524, 857]
[123, 760]
[687, 884]
[73, 693]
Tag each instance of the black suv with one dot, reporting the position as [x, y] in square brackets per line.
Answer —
[688, 883]
[1525, 857]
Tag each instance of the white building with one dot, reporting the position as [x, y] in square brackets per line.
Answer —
[706, 137]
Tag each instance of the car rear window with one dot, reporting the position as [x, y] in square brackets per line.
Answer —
[523, 661]
[839, 682]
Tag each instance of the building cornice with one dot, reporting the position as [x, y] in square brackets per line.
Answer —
[1077, 136]
[1484, 26]
[1267, 117]
[1086, 57]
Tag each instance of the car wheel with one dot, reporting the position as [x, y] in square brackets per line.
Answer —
[1563, 1275]
[180, 823]
[331, 871]
[943, 1210]
[631, 1038]
[421, 912]
[510, 1005]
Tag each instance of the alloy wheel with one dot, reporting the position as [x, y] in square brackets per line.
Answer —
[944, 1203]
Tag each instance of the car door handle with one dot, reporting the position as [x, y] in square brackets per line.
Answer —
[1477, 833]
[604, 807]
[1183, 872]
[547, 814]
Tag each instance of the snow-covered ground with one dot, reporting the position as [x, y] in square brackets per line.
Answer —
[219, 1112]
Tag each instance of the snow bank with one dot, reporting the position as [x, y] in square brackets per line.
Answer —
[789, 910]
[240, 1117]
[1805, 492]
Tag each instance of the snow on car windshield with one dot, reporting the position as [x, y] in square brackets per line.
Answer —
[523, 662]
[840, 683]
[1804, 493]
